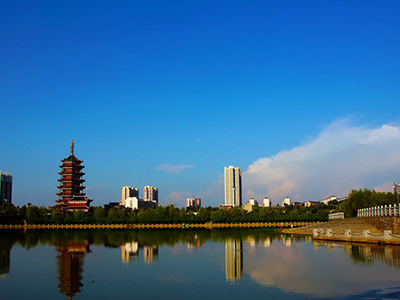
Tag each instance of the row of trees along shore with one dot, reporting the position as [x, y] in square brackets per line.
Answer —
[10, 214]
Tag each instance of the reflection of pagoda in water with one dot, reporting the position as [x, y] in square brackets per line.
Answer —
[130, 252]
[70, 266]
[4, 263]
[233, 259]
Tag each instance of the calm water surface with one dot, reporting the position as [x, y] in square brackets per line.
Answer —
[191, 264]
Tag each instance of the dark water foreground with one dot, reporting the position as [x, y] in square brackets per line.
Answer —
[191, 264]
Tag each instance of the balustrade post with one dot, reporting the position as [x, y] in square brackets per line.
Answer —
[347, 233]
[329, 233]
[390, 209]
[366, 234]
[387, 234]
[315, 232]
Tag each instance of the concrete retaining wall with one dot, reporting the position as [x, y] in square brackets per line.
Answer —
[385, 223]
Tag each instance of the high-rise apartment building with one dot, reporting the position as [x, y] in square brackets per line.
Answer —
[150, 193]
[193, 202]
[128, 191]
[233, 186]
[5, 187]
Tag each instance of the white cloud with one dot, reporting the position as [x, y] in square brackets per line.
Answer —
[174, 169]
[341, 158]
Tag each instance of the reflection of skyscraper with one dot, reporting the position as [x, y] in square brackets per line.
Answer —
[150, 254]
[233, 186]
[233, 259]
[129, 252]
[70, 266]
[4, 263]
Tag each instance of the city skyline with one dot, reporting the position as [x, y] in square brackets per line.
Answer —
[303, 97]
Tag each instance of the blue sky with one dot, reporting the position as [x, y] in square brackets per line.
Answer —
[201, 84]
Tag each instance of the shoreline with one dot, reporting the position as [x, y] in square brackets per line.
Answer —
[161, 226]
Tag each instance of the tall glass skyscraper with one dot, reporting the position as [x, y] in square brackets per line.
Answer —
[233, 186]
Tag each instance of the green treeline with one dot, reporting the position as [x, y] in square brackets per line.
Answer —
[366, 198]
[10, 214]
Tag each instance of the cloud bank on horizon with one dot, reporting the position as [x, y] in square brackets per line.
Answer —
[341, 158]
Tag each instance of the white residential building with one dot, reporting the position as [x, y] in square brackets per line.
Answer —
[286, 201]
[233, 186]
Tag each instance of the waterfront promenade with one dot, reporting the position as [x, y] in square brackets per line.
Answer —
[162, 226]
[358, 230]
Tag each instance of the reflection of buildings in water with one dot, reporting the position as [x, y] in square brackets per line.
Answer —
[4, 263]
[233, 259]
[130, 252]
[150, 254]
[70, 266]
[287, 241]
[193, 244]
[267, 242]
[386, 255]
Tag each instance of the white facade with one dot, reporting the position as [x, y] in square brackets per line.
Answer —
[328, 199]
[253, 201]
[267, 202]
[132, 202]
[286, 201]
[233, 186]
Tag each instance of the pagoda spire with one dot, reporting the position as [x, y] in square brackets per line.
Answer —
[72, 147]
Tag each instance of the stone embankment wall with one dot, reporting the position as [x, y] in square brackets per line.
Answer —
[385, 223]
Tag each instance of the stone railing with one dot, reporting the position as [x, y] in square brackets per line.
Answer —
[387, 235]
[379, 211]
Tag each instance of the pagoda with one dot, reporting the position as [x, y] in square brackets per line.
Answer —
[71, 196]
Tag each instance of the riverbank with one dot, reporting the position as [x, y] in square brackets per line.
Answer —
[356, 225]
[209, 225]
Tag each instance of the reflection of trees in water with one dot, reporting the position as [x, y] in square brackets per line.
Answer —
[116, 238]
[368, 253]
[71, 254]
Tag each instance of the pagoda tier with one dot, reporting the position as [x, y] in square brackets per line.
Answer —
[71, 196]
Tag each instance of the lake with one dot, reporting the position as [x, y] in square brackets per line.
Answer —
[191, 264]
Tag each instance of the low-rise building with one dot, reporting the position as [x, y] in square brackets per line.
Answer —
[267, 202]
[328, 199]
[135, 203]
[310, 203]
[253, 201]
[248, 207]
[286, 201]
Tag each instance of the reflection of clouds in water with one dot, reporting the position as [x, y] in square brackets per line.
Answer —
[303, 270]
